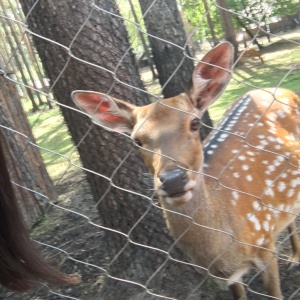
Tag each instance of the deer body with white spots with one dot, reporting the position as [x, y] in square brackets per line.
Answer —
[224, 200]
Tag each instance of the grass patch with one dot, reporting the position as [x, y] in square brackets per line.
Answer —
[281, 68]
[53, 137]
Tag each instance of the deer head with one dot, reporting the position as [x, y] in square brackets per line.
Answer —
[160, 127]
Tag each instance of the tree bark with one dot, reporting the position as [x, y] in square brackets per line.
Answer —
[174, 68]
[227, 25]
[210, 23]
[26, 166]
[132, 223]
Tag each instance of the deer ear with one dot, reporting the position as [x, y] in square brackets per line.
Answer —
[211, 76]
[106, 111]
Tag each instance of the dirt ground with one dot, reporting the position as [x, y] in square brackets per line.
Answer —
[77, 240]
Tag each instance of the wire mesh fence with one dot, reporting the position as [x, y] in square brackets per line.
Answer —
[107, 224]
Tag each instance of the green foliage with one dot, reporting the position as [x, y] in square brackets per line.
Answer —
[255, 11]
[194, 16]
[248, 11]
[53, 137]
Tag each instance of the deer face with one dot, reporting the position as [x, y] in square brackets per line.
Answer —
[167, 131]
[168, 135]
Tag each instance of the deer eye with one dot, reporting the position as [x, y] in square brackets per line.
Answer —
[137, 142]
[195, 124]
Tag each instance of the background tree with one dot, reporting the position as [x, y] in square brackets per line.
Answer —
[204, 19]
[23, 157]
[173, 64]
[99, 55]
[229, 32]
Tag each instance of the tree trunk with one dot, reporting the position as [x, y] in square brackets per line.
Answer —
[210, 23]
[227, 25]
[174, 69]
[33, 187]
[141, 35]
[131, 222]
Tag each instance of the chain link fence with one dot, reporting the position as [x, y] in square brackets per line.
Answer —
[106, 223]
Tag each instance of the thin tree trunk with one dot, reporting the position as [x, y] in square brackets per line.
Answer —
[141, 35]
[32, 56]
[19, 66]
[210, 23]
[227, 24]
[162, 20]
[18, 44]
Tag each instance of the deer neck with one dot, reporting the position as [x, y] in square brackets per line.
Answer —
[200, 208]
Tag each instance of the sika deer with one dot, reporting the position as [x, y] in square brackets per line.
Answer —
[239, 189]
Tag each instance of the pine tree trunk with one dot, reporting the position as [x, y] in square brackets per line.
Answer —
[26, 166]
[174, 68]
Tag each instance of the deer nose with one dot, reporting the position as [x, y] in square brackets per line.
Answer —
[174, 181]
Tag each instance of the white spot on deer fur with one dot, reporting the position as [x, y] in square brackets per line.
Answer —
[214, 146]
[235, 151]
[268, 217]
[245, 167]
[253, 219]
[264, 142]
[249, 178]
[270, 169]
[277, 147]
[271, 138]
[235, 195]
[268, 182]
[273, 130]
[281, 186]
[255, 205]
[290, 192]
[260, 124]
[269, 192]
[272, 117]
[280, 141]
[236, 175]
[260, 241]
[250, 153]
[280, 207]
[271, 124]
[265, 162]
[209, 152]
[224, 135]
[283, 175]
[261, 136]
[295, 182]
[241, 157]
[266, 225]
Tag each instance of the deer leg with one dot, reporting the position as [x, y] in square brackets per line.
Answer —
[238, 291]
[295, 241]
[271, 279]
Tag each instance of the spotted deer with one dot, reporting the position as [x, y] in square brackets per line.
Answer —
[225, 200]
